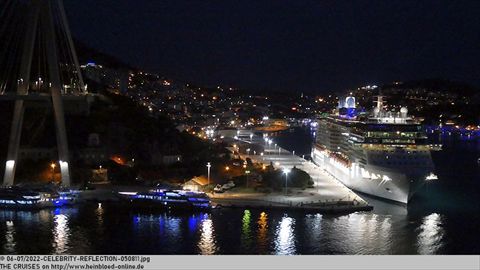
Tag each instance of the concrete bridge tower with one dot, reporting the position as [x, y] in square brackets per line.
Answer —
[44, 41]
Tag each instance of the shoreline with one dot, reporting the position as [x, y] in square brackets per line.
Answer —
[322, 208]
[303, 200]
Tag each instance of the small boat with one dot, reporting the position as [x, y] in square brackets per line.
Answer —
[168, 199]
[54, 195]
[36, 197]
[15, 197]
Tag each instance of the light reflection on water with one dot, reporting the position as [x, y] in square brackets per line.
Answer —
[262, 234]
[431, 234]
[99, 213]
[10, 243]
[207, 244]
[356, 233]
[285, 238]
[246, 238]
[313, 240]
[61, 234]
[106, 229]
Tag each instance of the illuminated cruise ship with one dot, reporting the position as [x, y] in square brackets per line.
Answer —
[384, 154]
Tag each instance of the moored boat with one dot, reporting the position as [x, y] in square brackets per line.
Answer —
[36, 197]
[168, 199]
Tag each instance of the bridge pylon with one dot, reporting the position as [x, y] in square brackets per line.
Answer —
[48, 52]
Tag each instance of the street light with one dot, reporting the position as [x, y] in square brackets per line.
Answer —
[251, 136]
[53, 165]
[247, 172]
[208, 172]
[286, 171]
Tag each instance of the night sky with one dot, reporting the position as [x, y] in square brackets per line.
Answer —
[287, 45]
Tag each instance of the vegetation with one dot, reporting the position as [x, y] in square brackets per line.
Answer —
[297, 178]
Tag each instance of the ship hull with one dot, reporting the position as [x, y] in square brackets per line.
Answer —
[394, 185]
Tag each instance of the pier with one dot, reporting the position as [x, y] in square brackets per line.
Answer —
[327, 195]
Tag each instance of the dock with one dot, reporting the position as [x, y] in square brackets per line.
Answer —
[327, 195]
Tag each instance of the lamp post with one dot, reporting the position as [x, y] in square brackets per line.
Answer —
[247, 172]
[53, 165]
[286, 171]
[208, 172]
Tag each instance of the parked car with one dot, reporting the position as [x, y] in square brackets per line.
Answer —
[228, 185]
[218, 188]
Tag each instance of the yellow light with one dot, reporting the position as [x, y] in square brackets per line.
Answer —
[264, 167]
[227, 168]
[53, 165]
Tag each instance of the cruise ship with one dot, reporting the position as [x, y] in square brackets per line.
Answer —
[383, 153]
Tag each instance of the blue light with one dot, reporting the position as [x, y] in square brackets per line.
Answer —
[192, 223]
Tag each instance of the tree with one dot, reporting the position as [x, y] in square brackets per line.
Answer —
[299, 178]
[296, 178]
